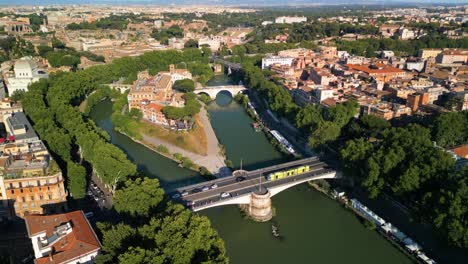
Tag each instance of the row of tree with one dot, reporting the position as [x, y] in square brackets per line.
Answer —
[369, 47]
[402, 160]
[148, 231]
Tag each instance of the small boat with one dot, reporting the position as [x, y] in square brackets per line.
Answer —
[275, 231]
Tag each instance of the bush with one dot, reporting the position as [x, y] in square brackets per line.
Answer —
[162, 149]
[177, 156]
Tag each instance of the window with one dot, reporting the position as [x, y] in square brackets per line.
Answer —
[30, 189]
[11, 185]
[38, 183]
[23, 199]
[21, 190]
[12, 191]
[50, 196]
[32, 198]
[21, 185]
[41, 197]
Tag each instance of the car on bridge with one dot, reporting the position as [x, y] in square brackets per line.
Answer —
[214, 186]
[225, 195]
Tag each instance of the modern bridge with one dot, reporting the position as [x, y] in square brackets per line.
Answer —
[212, 91]
[253, 184]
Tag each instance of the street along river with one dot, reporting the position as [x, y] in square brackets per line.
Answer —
[313, 228]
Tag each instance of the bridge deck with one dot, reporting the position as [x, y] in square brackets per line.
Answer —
[206, 200]
[250, 174]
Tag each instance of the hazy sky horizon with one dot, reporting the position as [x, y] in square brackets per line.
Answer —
[223, 2]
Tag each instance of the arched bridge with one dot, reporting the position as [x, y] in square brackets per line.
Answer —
[212, 91]
[238, 190]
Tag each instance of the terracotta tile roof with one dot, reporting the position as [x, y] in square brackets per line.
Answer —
[155, 107]
[380, 68]
[80, 241]
[461, 151]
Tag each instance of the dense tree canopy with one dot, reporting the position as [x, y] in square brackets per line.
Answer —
[138, 197]
[185, 85]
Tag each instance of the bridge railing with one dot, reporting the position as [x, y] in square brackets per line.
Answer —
[257, 171]
[268, 184]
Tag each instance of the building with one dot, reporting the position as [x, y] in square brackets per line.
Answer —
[270, 60]
[388, 30]
[321, 76]
[213, 42]
[381, 72]
[18, 126]
[296, 53]
[328, 52]
[177, 74]
[424, 54]
[26, 71]
[17, 27]
[30, 181]
[452, 56]
[150, 94]
[290, 20]
[62, 238]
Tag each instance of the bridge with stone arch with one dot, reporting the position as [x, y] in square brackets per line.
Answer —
[212, 91]
[251, 189]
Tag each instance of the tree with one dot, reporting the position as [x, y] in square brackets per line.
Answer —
[138, 197]
[184, 85]
[76, 180]
[326, 132]
[57, 44]
[451, 129]
[191, 43]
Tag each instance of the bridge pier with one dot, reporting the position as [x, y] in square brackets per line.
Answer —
[259, 208]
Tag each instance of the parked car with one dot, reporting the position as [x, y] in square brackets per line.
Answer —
[196, 190]
[184, 193]
[214, 186]
[225, 195]
[205, 188]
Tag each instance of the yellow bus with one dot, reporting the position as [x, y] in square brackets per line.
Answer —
[288, 173]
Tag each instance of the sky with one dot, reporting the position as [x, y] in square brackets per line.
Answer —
[220, 2]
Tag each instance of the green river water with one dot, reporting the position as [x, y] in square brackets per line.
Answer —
[314, 228]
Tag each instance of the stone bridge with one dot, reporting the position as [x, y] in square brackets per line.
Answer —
[212, 91]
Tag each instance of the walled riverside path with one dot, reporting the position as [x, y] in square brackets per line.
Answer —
[213, 161]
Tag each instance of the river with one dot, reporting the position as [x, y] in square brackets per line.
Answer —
[314, 228]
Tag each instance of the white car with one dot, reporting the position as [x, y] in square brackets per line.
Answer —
[205, 188]
[214, 186]
[225, 195]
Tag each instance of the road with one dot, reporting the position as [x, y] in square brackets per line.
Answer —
[252, 182]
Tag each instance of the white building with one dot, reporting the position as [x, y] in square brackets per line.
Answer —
[322, 94]
[267, 22]
[213, 42]
[290, 20]
[26, 72]
[62, 238]
[270, 60]
[415, 65]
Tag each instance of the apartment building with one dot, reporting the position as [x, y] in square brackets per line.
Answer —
[62, 238]
[30, 181]
[270, 60]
